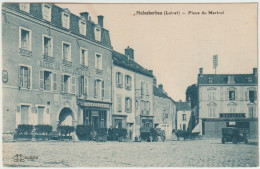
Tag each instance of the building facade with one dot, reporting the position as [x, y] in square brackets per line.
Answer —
[131, 87]
[164, 111]
[227, 100]
[184, 113]
[57, 67]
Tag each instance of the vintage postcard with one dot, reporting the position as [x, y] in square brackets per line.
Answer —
[129, 85]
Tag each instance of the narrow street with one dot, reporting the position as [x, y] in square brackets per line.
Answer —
[196, 153]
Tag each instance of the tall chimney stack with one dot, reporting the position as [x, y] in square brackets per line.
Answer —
[129, 52]
[255, 71]
[100, 20]
[201, 72]
[160, 86]
[154, 81]
[84, 15]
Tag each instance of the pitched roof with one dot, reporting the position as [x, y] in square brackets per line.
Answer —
[124, 61]
[158, 92]
[223, 78]
[56, 20]
[183, 106]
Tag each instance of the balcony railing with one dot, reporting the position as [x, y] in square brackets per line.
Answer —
[84, 67]
[25, 52]
[67, 63]
[99, 71]
[48, 58]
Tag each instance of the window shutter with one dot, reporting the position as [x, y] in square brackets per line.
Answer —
[85, 85]
[121, 79]
[227, 95]
[103, 89]
[142, 88]
[119, 106]
[41, 79]
[73, 84]
[130, 82]
[20, 75]
[95, 88]
[255, 94]
[62, 83]
[126, 102]
[54, 80]
[29, 79]
[86, 58]
[125, 81]
[130, 105]
[246, 98]
[147, 89]
[236, 95]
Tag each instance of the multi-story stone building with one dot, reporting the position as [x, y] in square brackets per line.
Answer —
[184, 112]
[164, 108]
[56, 67]
[227, 100]
[132, 93]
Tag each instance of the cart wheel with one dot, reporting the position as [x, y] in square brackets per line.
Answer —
[234, 140]
[246, 140]
[223, 140]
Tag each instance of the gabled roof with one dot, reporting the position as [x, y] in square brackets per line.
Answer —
[183, 106]
[36, 12]
[159, 93]
[125, 62]
[223, 79]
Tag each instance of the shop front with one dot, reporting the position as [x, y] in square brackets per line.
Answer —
[95, 114]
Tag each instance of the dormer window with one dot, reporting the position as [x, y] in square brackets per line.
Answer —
[250, 79]
[97, 33]
[231, 79]
[82, 27]
[210, 80]
[25, 7]
[66, 20]
[46, 12]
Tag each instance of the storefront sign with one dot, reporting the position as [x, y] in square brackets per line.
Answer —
[99, 105]
[236, 115]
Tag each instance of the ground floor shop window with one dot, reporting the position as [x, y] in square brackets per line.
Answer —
[118, 123]
[147, 123]
[95, 118]
[25, 114]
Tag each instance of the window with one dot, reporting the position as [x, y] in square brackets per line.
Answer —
[128, 82]
[65, 20]
[82, 27]
[24, 114]
[252, 111]
[86, 117]
[25, 77]
[212, 110]
[231, 95]
[184, 127]
[147, 107]
[119, 79]
[210, 80]
[83, 57]
[147, 89]
[128, 105]
[68, 84]
[98, 62]
[231, 79]
[83, 85]
[97, 33]
[118, 123]
[211, 95]
[250, 79]
[142, 89]
[119, 103]
[232, 108]
[183, 117]
[25, 7]
[41, 115]
[48, 80]
[102, 118]
[252, 96]
[147, 123]
[25, 39]
[66, 51]
[99, 90]
[47, 46]
[46, 12]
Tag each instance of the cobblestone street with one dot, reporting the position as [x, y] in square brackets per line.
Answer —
[197, 153]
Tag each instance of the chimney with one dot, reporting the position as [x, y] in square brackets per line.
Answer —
[84, 15]
[201, 72]
[100, 20]
[129, 52]
[160, 86]
[255, 71]
[154, 81]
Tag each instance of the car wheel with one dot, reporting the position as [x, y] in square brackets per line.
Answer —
[234, 140]
[223, 140]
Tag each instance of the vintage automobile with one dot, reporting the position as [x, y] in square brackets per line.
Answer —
[150, 134]
[233, 134]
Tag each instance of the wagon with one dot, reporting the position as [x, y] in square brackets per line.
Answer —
[233, 134]
[150, 134]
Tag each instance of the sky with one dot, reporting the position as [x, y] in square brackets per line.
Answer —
[176, 46]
